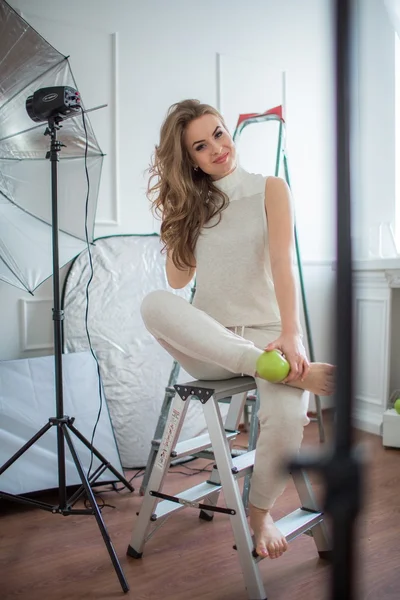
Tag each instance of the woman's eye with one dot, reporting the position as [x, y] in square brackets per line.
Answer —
[218, 134]
[199, 147]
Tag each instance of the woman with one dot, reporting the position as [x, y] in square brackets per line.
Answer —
[235, 231]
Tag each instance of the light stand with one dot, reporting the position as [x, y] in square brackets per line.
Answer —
[64, 423]
[343, 469]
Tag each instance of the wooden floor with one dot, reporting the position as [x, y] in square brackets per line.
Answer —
[46, 557]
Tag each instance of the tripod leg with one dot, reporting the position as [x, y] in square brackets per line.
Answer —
[96, 511]
[101, 457]
[25, 447]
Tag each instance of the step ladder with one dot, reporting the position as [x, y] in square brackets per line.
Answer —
[227, 470]
[250, 403]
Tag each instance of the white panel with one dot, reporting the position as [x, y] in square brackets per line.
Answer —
[250, 87]
[36, 324]
[395, 342]
[371, 350]
[27, 401]
[113, 199]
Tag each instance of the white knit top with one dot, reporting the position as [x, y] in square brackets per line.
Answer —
[233, 275]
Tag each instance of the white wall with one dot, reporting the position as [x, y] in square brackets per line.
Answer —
[139, 57]
[374, 199]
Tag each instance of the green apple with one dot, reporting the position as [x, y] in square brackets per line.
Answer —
[272, 366]
[397, 405]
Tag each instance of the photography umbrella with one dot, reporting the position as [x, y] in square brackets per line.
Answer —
[28, 63]
[43, 226]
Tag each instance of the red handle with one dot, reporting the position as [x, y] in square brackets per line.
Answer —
[277, 111]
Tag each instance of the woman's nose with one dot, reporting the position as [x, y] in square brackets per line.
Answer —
[216, 147]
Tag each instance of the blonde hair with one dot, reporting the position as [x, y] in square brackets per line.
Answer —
[186, 199]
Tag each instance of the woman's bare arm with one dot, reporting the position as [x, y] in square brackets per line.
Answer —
[178, 278]
[280, 218]
[278, 205]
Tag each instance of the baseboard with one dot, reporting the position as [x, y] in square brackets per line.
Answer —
[361, 420]
[367, 422]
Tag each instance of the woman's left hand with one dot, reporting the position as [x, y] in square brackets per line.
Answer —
[291, 346]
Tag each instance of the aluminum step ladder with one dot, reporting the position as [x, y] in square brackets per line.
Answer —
[251, 405]
[227, 470]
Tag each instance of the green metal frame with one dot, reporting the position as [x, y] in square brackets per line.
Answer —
[281, 158]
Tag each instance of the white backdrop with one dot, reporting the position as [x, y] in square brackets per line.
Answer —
[27, 401]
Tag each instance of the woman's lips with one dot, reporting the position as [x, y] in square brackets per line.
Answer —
[222, 158]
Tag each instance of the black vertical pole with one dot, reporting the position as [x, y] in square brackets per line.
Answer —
[342, 468]
[344, 341]
[58, 314]
[345, 512]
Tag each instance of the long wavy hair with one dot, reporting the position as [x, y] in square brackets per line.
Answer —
[185, 199]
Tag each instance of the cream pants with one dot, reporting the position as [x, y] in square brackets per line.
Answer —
[207, 350]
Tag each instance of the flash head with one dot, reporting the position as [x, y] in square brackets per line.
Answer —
[58, 102]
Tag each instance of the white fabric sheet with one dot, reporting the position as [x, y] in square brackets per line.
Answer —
[27, 401]
[135, 368]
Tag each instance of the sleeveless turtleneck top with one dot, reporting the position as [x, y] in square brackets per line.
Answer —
[234, 282]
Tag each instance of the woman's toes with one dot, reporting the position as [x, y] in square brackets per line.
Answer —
[261, 550]
[273, 550]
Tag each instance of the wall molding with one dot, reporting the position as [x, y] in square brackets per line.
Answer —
[371, 280]
[366, 310]
[115, 219]
[393, 278]
[366, 399]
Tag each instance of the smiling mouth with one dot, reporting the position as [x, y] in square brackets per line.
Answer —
[222, 158]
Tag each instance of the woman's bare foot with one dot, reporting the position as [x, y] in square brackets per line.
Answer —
[320, 380]
[269, 540]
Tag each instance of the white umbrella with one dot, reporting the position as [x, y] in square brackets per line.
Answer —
[28, 63]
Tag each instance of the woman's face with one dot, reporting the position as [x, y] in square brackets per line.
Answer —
[210, 146]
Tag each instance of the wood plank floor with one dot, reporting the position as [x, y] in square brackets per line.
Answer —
[46, 557]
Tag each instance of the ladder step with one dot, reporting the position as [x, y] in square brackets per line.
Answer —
[298, 522]
[294, 524]
[196, 444]
[195, 493]
[244, 463]
[219, 389]
[209, 453]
